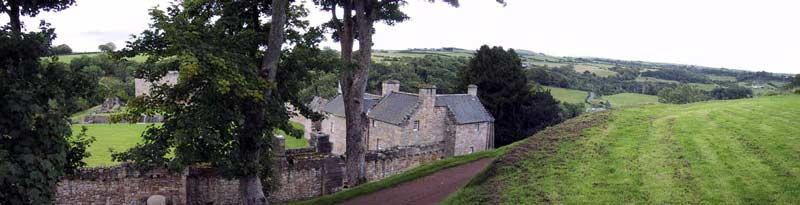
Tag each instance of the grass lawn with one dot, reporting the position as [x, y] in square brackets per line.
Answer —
[629, 99]
[719, 152]
[119, 137]
[122, 136]
[568, 95]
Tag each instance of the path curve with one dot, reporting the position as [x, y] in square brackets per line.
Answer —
[430, 189]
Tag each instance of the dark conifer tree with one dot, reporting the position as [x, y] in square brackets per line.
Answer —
[504, 90]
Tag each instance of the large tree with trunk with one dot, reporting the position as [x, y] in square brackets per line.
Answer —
[231, 92]
[36, 142]
[356, 22]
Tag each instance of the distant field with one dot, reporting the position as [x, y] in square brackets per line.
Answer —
[123, 136]
[719, 152]
[567, 95]
[722, 78]
[68, 58]
[629, 99]
[651, 79]
[597, 70]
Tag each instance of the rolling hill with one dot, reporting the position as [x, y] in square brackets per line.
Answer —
[718, 152]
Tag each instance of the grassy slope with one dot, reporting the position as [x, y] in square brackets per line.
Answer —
[567, 95]
[629, 99]
[740, 151]
[68, 58]
[122, 136]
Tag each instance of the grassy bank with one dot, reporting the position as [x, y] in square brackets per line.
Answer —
[567, 95]
[719, 152]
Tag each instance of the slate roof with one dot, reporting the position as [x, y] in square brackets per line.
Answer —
[336, 106]
[466, 108]
[395, 108]
[317, 104]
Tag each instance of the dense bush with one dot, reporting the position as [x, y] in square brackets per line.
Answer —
[681, 95]
[728, 93]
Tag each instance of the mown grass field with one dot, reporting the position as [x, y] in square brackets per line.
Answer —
[68, 58]
[567, 95]
[122, 136]
[720, 152]
[118, 137]
[629, 99]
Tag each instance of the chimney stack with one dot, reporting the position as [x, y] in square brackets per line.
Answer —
[427, 94]
[390, 86]
[472, 90]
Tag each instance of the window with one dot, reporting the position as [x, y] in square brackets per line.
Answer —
[471, 149]
[416, 125]
[373, 123]
[378, 143]
[331, 127]
[477, 128]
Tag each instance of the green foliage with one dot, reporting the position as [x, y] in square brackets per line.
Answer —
[571, 110]
[61, 50]
[505, 92]
[729, 93]
[34, 127]
[222, 111]
[107, 47]
[796, 81]
[680, 75]
[722, 152]
[681, 95]
[77, 150]
[413, 73]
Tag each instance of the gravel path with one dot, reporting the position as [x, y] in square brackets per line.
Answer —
[430, 189]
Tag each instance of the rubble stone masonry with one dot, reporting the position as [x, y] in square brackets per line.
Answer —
[301, 173]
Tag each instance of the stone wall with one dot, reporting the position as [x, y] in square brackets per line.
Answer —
[120, 185]
[301, 173]
[335, 127]
[473, 137]
[143, 87]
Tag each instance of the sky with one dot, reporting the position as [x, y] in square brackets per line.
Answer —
[747, 35]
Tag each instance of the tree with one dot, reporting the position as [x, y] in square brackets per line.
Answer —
[231, 93]
[35, 144]
[681, 95]
[61, 50]
[17, 8]
[357, 22]
[107, 47]
[729, 93]
[796, 80]
[506, 93]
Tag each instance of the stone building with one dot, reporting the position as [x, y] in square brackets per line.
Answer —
[399, 119]
[143, 87]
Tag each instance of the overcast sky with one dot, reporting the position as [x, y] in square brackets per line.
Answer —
[750, 35]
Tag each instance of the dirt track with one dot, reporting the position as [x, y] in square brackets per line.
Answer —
[430, 189]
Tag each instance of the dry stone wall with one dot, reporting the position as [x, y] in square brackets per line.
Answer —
[301, 173]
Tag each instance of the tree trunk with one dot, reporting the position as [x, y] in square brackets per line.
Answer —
[354, 86]
[250, 186]
[13, 15]
[250, 153]
[250, 189]
[352, 96]
[269, 64]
